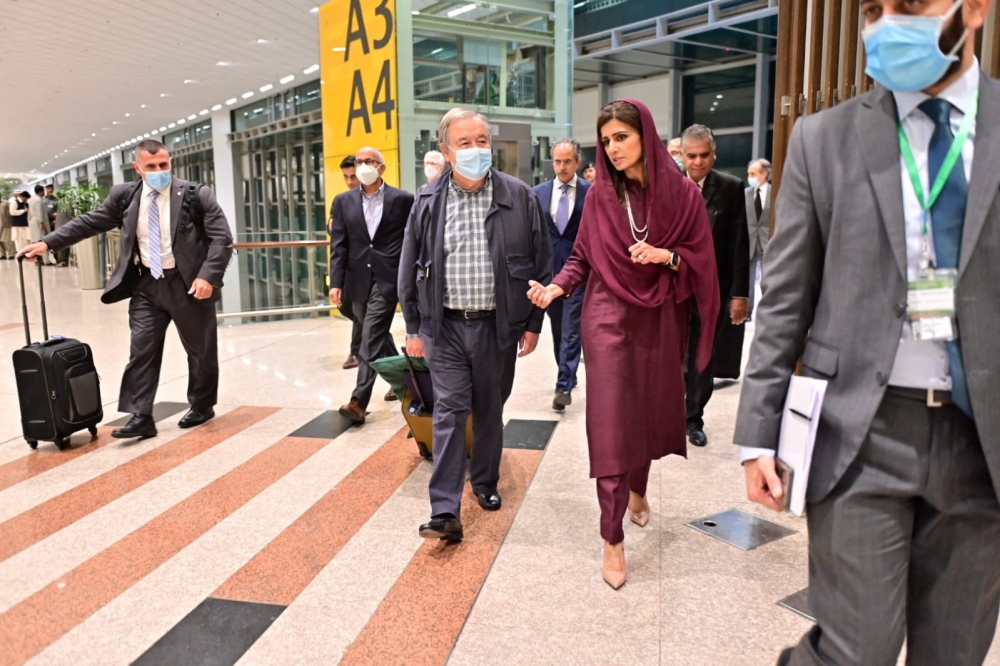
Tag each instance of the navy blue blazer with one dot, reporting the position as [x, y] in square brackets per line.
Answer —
[562, 244]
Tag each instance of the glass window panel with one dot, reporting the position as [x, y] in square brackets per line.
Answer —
[720, 99]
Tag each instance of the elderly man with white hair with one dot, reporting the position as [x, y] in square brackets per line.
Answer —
[475, 238]
[434, 165]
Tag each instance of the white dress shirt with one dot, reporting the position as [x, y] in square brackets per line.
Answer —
[923, 364]
[142, 233]
[557, 195]
[764, 189]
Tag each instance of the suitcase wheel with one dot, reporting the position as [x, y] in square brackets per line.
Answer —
[61, 444]
[33, 444]
[424, 451]
[92, 430]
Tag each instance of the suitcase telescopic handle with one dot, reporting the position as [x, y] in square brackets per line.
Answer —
[24, 301]
[413, 375]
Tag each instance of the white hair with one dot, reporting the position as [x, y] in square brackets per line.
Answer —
[435, 156]
[455, 115]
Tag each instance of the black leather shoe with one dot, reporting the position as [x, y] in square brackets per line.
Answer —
[562, 400]
[697, 437]
[446, 528]
[140, 425]
[195, 417]
[489, 501]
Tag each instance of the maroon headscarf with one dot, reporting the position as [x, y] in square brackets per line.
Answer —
[677, 221]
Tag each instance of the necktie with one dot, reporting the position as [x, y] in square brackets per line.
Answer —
[758, 207]
[155, 258]
[562, 210]
[947, 220]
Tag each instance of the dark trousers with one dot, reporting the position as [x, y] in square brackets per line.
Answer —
[376, 316]
[907, 546]
[154, 304]
[565, 315]
[347, 309]
[471, 375]
[612, 495]
[700, 385]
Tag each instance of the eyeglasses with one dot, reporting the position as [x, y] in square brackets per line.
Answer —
[369, 161]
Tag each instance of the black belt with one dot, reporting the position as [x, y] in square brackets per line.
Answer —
[930, 397]
[471, 315]
[167, 272]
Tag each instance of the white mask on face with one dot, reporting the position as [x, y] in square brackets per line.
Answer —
[432, 171]
[367, 174]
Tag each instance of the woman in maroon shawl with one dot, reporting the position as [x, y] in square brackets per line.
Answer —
[644, 250]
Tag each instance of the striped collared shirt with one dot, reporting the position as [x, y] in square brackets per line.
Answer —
[469, 283]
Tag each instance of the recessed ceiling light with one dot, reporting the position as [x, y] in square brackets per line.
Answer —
[287, 79]
[163, 129]
[263, 41]
[190, 80]
[155, 132]
[223, 63]
[116, 122]
[436, 51]
[164, 95]
[415, 12]
[266, 88]
[458, 11]
[93, 134]
[203, 112]
[127, 115]
[718, 97]
[146, 135]
[314, 10]
[181, 121]
[247, 95]
[216, 107]
[192, 117]
[311, 69]
[231, 101]
[172, 125]
[142, 106]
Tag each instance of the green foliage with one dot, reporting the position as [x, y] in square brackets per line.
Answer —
[7, 186]
[76, 200]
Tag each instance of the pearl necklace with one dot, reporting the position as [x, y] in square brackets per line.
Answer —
[636, 231]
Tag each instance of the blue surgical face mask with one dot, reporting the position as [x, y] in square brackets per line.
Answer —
[680, 163]
[904, 53]
[473, 163]
[754, 182]
[158, 180]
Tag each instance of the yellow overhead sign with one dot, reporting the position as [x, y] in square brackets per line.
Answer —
[358, 74]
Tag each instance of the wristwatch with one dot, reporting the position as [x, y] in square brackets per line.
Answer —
[674, 262]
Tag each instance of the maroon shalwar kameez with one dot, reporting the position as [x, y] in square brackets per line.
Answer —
[635, 321]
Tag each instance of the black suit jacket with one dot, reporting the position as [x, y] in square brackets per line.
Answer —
[200, 250]
[724, 199]
[356, 257]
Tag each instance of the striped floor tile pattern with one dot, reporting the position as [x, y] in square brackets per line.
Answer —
[209, 546]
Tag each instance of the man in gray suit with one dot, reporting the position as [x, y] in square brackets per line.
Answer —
[758, 197]
[474, 239]
[176, 245]
[904, 523]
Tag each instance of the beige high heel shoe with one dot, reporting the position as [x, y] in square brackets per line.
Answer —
[641, 517]
[613, 576]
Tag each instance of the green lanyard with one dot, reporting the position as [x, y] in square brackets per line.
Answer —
[950, 160]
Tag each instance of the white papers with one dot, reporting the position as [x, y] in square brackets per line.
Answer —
[799, 423]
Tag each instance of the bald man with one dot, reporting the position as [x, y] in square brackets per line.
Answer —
[367, 236]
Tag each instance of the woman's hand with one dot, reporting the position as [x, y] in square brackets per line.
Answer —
[543, 296]
[644, 253]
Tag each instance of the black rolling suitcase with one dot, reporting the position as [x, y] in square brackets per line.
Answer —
[57, 383]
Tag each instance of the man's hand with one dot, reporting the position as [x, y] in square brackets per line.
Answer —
[415, 347]
[35, 250]
[527, 344]
[738, 310]
[201, 289]
[763, 485]
[543, 296]
[337, 297]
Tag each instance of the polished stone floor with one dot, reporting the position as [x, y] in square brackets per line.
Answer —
[273, 535]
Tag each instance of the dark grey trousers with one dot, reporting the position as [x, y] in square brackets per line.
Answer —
[376, 316]
[154, 305]
[471, 375]
[906, 546]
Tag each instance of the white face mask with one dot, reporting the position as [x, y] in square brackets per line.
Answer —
[432, 171]
[367, 174]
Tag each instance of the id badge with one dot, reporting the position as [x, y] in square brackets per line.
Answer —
[930, 305]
